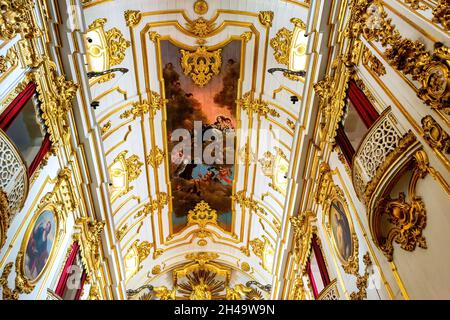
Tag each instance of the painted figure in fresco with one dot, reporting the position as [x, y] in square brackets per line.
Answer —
[37, 247]
[341, 231]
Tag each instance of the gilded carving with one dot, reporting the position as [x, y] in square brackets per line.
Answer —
[122, 172]
[139, 109]
[406, 216]
[441, 13]
[55, 94]
[435, 135]
[201, 64]
[134, 257]
[266, 18]
[160, 202]
[373, 63]
[200, 27]
[156, 157]
[281, 45]
[202, 215]
[200, 7]
[4, 217]
[132, 17]
[303, 229]
[16, 18]
[105, 128]
[248, 203]
[411, 57]
[264, 250]
[328, 194]
[276, 166]
[89, 235]
[8, 62]
[362, 281]
[258, 106]
[115, 41]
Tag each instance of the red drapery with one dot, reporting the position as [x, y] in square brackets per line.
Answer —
[45, 147]
[363, 106]
[62, 283]
[311, 279]
[366, 112]
[321, 265]
[320, 261]
[346, 147]
[10, 113]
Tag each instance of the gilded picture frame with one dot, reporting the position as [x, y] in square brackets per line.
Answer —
[50, 208]
[347, 252]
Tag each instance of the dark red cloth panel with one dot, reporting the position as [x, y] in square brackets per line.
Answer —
[60, 288]
[346, 147]
[320, 261]
[363, 106]
[45, 147]
[11, 112]
[80, 290]
[311, 279]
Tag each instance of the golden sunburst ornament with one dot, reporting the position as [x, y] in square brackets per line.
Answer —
[201, 285]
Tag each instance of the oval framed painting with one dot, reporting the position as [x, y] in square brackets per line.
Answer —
[341, 230]
[38, 244]
[343, 235]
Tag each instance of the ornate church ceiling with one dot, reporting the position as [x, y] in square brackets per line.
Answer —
[197, 68]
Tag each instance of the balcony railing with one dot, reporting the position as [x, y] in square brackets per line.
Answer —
[380, 142]
[330, 292]
[13, 183]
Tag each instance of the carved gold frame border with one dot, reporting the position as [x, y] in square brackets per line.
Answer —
[48, 202]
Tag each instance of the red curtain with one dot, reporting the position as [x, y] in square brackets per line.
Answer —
[363, 106]
[10, 113]
[45, 147]
[322, 267]
[346, 147]
[62, 283]
[320, 261]
[311, 279]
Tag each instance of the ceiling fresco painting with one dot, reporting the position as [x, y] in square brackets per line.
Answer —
[203, 107]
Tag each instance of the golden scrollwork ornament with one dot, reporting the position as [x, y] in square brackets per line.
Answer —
[201, 65]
